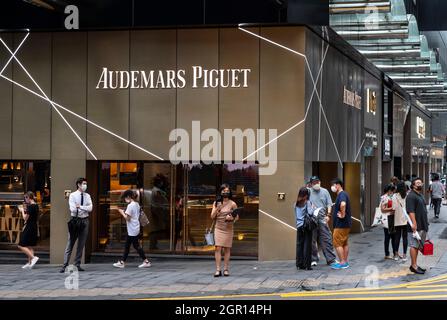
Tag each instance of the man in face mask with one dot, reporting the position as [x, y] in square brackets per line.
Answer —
[417, 211]
[80, 204]
[321, 237]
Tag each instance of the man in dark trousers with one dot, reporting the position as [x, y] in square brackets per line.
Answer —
[418, 228]
[80, 205]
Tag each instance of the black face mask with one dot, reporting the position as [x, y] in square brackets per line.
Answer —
[225, 194]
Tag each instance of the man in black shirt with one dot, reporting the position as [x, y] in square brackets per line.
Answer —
[417, 210]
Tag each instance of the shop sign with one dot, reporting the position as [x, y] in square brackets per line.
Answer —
[173, 79]
[371, 103]
[352, 98]
[370, 143]
[420, 127]
[387, 148]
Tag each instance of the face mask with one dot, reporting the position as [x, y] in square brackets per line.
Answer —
[83, 187]
[419, 188]
[317, 187]
[225, 194]
[334, 189]
[127, 200]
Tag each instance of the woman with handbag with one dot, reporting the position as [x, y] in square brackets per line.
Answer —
[28, 237]
[223, 230]
[400, 221]
[132, 217]
[305, 226]
[386, 205]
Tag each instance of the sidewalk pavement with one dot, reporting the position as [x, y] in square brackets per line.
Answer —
[186, 278]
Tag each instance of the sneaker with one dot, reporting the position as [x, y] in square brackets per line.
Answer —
[388, 258]
[313, 264]
[344, 265]
[33, 262]
[336, 266]
[404, 258]
[26, 266]
[119, 264]
[396, 258]
[145, 264]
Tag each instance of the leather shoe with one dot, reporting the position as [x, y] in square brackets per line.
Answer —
[422, 269]
[62, 270]
[417, 271]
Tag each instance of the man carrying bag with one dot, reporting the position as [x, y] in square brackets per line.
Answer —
[80, 204]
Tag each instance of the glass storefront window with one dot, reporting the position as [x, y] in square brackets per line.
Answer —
[16, 178]
[178, 202]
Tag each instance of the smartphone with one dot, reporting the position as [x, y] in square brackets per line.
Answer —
[236, 212]
[219, 200]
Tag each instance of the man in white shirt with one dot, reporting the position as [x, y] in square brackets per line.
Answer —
[80, 204]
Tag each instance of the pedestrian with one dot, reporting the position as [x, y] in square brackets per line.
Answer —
[321, 236]
[80, 204]
[400, 220]
[394, 180]
[132, 217]
[386, 206]
[28, 237]
[342, 223]
[418, 227]
[223, 232]
[436, 190]
[303, 207]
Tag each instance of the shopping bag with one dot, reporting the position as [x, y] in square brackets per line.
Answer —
[380, 219]
[209, 234]
[427, 249]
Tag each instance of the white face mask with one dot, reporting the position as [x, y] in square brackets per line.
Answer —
[317, 187]
[83, 187]
[334, 189]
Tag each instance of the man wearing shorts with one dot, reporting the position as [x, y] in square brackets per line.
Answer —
[417, 211]
[341, 217]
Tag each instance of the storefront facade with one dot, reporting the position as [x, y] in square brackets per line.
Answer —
[135, 87]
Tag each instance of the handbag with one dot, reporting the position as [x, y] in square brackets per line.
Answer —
[427, 248]
[310, 221]
[209, 234]
[144, 221]
[380, 219]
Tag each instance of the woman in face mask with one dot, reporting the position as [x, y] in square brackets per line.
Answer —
[223, 232]
[132, 217]
[387, 207]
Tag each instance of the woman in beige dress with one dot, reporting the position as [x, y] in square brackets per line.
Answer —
[223, 231]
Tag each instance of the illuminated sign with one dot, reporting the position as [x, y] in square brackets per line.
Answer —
[420, 127]
[371, 103]
[352, 99]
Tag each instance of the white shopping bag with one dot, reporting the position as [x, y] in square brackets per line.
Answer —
[380, 219]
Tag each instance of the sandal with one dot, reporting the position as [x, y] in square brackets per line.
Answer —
[218, 273]
[226, 273]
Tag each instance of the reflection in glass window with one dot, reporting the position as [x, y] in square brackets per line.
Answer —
[16, 178]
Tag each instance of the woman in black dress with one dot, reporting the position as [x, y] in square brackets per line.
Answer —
[28, 237]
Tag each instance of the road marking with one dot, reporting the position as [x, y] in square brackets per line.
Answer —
[443, 296]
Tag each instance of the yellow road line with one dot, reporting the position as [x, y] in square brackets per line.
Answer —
[395, 298]
[337, 293]
[350, 291]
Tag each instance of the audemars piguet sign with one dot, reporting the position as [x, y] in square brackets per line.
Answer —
[172, 79]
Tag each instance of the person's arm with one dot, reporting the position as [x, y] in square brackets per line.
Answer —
[126, 215]
[414, 227]
[25, 215]
[385, 209]
[342, 212]
[329, 205]
[216, 210]
[88, 201]
[72, 204]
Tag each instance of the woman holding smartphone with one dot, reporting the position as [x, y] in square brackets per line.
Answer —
[223, 232]
[28, 237]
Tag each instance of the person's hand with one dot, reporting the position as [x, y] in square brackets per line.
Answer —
[229, 217]
[326, 219]
[121, 211]
[414, 227]
[78, 206]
